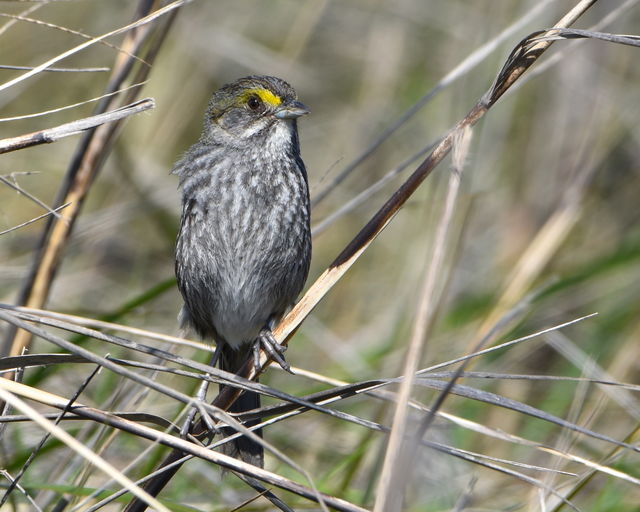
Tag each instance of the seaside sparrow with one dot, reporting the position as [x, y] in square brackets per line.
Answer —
[244, 246]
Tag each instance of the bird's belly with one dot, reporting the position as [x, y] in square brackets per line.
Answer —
[244, 274]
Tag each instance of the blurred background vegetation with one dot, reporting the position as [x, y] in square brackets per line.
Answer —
[567, 140]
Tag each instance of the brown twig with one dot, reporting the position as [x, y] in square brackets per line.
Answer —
[49, 135]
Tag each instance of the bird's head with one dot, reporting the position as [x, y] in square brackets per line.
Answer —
[255, 106]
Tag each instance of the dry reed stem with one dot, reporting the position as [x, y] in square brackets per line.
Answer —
[393, 475]
[49, 135]
[7, 394]
[35, 219]
[11, 388]
[632, 438]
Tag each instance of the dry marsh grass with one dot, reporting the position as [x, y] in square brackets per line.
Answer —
[506, 283]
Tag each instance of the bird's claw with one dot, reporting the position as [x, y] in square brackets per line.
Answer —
[271, 346]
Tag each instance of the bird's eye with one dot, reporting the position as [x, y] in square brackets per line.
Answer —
[254, 103]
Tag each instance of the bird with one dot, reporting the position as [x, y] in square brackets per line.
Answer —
[243, 248]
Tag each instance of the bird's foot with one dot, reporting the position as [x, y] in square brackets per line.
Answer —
[199, 399]
[197, 406]
[271, 346]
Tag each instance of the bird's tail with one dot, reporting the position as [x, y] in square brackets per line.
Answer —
[242, 448]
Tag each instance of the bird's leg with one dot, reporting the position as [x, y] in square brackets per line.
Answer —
[271, 346]
[201, 395]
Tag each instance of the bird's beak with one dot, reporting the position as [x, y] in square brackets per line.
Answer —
[291, 110]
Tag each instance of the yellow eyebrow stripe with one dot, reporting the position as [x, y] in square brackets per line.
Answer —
[265, 95]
